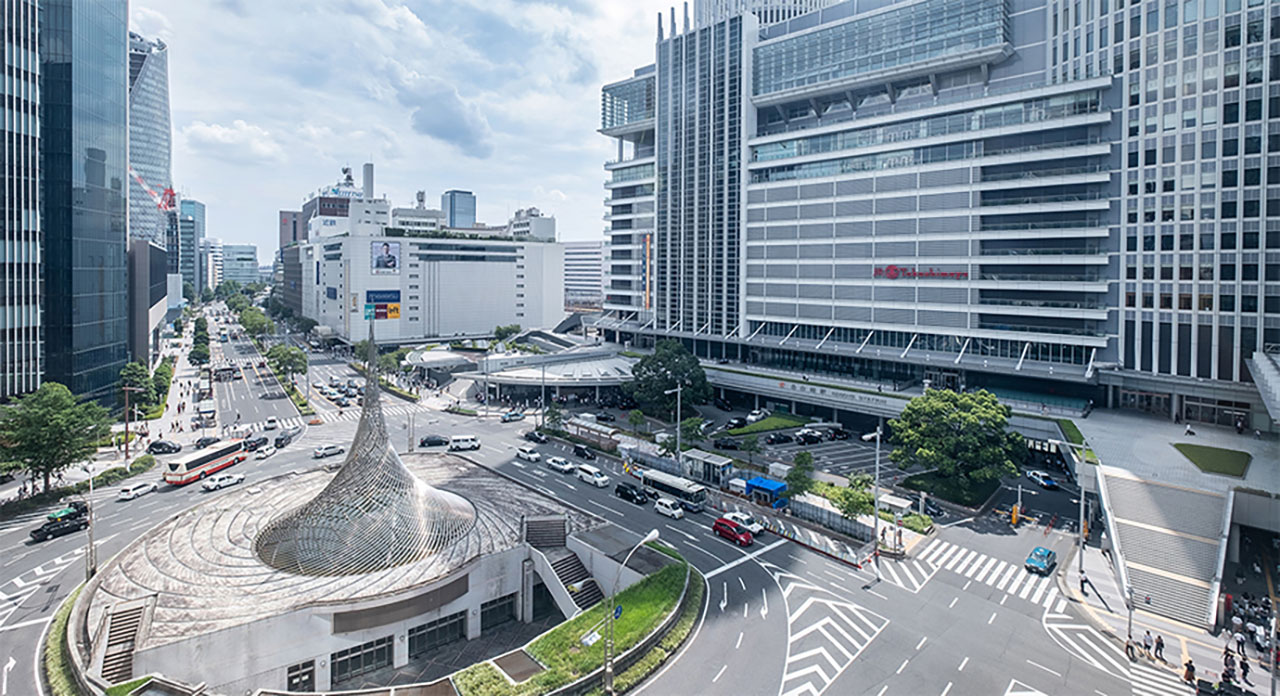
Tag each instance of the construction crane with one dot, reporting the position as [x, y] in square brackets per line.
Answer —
[165, 201]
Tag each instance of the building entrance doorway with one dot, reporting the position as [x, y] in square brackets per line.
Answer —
[1147, 402]
[1231, 414]
[944, 379]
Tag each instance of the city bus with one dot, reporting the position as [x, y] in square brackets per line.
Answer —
[205, 462]
[227, 373]
[690, 495]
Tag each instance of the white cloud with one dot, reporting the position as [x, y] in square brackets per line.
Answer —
[150, 24]
[238, 143]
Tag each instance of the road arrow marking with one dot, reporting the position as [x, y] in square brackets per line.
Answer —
[724, 601]
[764, 610]
[4, 681]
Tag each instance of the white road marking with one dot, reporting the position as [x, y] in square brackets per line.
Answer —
[993, 618]
[1007, 577]
[1036, 664]
[963, 662]
[882, 690]
[922, 642]
[946, 690]
[739, 643]
[878, 595]
[609, 510]
[743, 583]
[953, 602]
[734, 563]
[902, 666]
[718, 674]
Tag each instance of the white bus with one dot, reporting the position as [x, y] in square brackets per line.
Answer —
[205, 462]
[692, 496]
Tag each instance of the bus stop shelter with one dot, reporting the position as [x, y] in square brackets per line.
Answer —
[707, 467]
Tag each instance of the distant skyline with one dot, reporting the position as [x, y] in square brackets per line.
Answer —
[500, 97]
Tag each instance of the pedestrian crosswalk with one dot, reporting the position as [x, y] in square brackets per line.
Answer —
[1084, 642]
[1154, 680]
[348, 415]
[909, 574]
[976, 567]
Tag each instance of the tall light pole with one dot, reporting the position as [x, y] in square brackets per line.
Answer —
[90, 556]
[679, 392]
[1080, 485]
[875, 497]
[542, 402]
[127, 413]
[613, 611]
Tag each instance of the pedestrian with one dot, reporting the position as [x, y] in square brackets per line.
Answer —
[1188, 430]
[1147, 643]
[1160, 648]
[1244, 670]
[1189, 672]
[1239, 643]
[1083, 581]
[1129, 650]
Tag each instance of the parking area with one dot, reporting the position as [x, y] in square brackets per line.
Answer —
[839, 457]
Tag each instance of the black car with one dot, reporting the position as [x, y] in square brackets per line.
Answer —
[838, 434]
[778, 438]
[583, 452]
[254, 444]
[284, 438]
[808, 438]
[630, 493]
[163, 447]
[605, 417]
[433, 441]
[535, 436]
[206, 441]
[58, 528]
[74, 510]
[738, 422]
[723, 404]
[726, 443]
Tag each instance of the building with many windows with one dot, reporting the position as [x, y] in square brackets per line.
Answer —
[1056, 199]
[240, 263]
[211, 262]
[459, 208]
[583, 275]
[84, 116]
[150, 136]
[21, 358]
[191, 231]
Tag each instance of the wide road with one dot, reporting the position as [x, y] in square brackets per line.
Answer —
[780, 619]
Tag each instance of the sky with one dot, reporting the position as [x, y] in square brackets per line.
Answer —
[500, 97]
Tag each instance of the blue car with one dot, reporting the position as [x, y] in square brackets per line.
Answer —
[512, 416]
[1043, 479]
[1041, 561]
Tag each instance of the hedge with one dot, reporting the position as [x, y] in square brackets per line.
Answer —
[57, 660]
[387, 386]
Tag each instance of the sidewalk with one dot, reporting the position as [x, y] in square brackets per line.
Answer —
[1104, 606]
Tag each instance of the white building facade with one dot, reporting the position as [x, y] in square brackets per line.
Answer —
[583, 275]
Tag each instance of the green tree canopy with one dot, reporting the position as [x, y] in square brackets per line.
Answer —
[800, 479]
[237, 303]
[389, 363]
[502, 333]
[636, 419]
[306, 324]
[751, 445]
[964, 436]
[287, 360]
[691, 431]
[206, 295]
[189, 292]
[199, 354]
[855, 500]
[226, 289]
[48, 431]
[256, 323]
[553, 417]
[135, 376]
[669, 365]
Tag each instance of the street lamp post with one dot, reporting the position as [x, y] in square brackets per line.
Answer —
[875, 497]
[1080, 485]
[613, 593]
[127, 413]
[542, 401]
[679, 392]
[90, 556]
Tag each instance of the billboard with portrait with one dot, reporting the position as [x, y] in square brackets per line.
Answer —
[384, 257]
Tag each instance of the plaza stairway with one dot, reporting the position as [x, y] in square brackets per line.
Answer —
[560, 568]
[1170, 539]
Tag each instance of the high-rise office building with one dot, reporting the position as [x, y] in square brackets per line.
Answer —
[293, 228]
[240, 263]
[583, 275]
[459, 208]
[150, 136]
[1066, 199]
[191, 230]
[20, 289]
[84, 115]
[211, 262]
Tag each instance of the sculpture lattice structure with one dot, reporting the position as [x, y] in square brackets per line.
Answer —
[373, 515]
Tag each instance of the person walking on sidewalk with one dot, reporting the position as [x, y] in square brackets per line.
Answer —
[1129, 649]
[1244, 670]
[1189, 672]
[1239, 643]
[1147, 644]
[1160, 648]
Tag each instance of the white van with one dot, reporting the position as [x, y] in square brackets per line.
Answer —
[669, 508]
[459, 443]
[528, 454]
[590, 474]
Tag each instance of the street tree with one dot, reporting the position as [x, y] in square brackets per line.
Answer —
[287, 360]
[237, 303]
[751, 445]
[48, 430]
[256, 323]
[135, 378]
[199, 354]
[189, 292]
[636, 419]
[691, 430]
[856, 499]
[177, 326]
[393, 362]
[226, 289]
[962, 436]
[670, 365]
[800, 479]
[206, 296]
[304, 324]
[553, 418]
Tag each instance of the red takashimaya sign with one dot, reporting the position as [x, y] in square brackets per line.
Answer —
[895, 272]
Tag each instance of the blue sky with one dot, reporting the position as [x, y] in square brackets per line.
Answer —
[502, 97]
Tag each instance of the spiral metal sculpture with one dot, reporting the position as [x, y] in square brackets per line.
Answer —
[375, 514]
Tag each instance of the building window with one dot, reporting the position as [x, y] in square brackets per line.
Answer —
[434, 634]
[496, 612]
[302, 677]
[362, 659]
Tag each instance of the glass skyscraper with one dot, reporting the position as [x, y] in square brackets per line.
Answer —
[84, 171]
[459, 208]
[190, 239]
[150, 136]
[20, 344]
[1055, 199]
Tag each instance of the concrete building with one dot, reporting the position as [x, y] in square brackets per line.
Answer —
[21, 356]
[211, 257]
[459, 208]
[150, 136]
[1007, 196]
[293, 228]
[148, 298]
[531, 223]
[84, 130]
[419, 218]
[583, 275]
[427, 287]
[291, 286]
[191, 232]
[240, 263]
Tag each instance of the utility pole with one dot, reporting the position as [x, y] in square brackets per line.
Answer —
[542, 403]
[679, 392]
[90, 556]
[875, 498]
[1130, 629]
[1084, 534]
[127, 413]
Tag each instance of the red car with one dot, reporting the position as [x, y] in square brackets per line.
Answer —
[732, 531]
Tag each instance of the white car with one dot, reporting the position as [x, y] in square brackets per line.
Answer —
[222, 481]
[265, 451]
[745, 520]
[590, 474]
[528, 454]
[561, 465]
[327, 451]
[669, 508]
[271, 424]
[137, 490]
[757, 415]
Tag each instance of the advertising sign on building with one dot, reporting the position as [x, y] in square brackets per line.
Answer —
[384, 258]
[382, 304]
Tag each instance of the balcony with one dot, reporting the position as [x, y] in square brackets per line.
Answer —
[1044, 304]
[1046, 173]
[1033, 328]
[1046, 251]
[1091, 196]
[1045, 277]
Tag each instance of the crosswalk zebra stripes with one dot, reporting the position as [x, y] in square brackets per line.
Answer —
[910, 575]
[978, 567]
[349, 415]
[1150, 680]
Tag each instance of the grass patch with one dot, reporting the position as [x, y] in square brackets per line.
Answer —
[668, 645]
[776, 422]
[1216, 460]
[645, 604]
[631, 354]
[920, 524]
[57, 659]
[125, 688]
[967, 493]
[462, 411]
[1075, 437]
